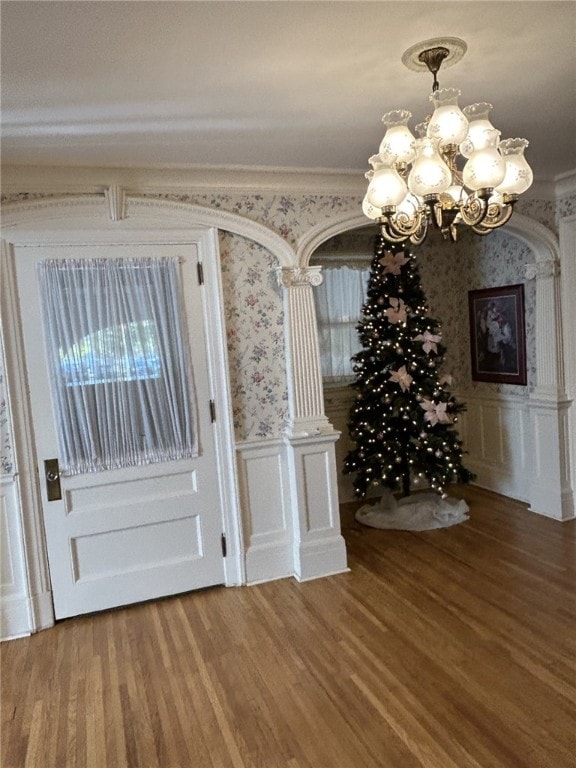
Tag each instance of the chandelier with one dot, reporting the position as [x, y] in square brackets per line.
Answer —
[456, 172]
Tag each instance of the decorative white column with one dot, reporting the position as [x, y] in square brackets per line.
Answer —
[551, 492]
[318, 546]
[549, 368]
[305, 394]
[568, 285]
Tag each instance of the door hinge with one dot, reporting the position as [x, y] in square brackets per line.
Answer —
[212, 411]
[224, 546]
[200, 273]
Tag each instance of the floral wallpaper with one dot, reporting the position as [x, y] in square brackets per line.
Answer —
[255, 338]
[253, 306]
[565, 206]
[253, 300]
[290, 216]
[449, 271]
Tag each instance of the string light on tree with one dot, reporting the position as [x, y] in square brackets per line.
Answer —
[402, 421]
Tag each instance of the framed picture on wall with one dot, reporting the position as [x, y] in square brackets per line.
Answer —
[497, 334]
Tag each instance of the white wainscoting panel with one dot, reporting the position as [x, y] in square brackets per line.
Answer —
[551, 493]
[514, 444]
[264, 500]
[319, 548]
[518, 446]
[337, 402]
[568, 289]
[15, 615]
[495, 431]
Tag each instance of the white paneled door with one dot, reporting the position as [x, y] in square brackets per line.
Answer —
[119, 536]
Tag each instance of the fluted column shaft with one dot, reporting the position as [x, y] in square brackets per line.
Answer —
[305, 394]
[549, 366]
[551, 491]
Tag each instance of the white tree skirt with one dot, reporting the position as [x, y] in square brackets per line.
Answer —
[421, 512]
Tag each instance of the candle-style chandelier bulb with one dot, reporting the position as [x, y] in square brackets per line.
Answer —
[386, 188]
[479, 126]
[486, 167]
[448, 124]
[429, 175]
[398, 144]
[518, 177]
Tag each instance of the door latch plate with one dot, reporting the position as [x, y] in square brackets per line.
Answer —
[52, 477]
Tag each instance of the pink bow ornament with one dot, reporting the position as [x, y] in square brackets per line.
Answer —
[402, 377]
[393, 262]
[430, 341]
[435, 412]
[396, 312]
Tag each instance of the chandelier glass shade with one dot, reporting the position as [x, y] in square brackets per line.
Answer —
[455, 172]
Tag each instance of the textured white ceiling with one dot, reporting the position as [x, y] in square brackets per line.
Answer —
[281, 84]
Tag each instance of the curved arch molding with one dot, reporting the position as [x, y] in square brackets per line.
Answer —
[538, 237]
[169, 212]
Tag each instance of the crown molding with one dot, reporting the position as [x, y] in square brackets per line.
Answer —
[88, 180]
[79, 180]
[566, 184]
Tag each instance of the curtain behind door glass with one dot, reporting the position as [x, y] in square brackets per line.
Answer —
[119, 362]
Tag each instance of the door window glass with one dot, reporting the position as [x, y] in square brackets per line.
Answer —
[119, 362]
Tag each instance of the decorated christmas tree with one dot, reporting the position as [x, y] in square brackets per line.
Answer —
[403, 417]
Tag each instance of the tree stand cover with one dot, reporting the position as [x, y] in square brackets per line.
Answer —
[419, 512]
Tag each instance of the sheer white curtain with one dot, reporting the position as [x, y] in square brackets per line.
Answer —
[339, 302]
[119, 362]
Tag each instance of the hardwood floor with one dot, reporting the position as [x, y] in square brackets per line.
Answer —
[444, 649]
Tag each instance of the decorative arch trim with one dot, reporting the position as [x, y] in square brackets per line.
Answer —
[172, 213]
[319, 234]
[538, 237]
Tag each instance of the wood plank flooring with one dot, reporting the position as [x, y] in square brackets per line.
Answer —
[441, 649]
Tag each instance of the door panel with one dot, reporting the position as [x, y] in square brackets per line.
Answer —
[125, 535]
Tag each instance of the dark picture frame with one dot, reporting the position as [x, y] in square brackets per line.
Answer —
[497, 334]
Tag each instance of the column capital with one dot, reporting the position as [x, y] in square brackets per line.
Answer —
[290, 277]
[541, 269]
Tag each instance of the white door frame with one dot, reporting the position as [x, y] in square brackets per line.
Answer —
[71, 219]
